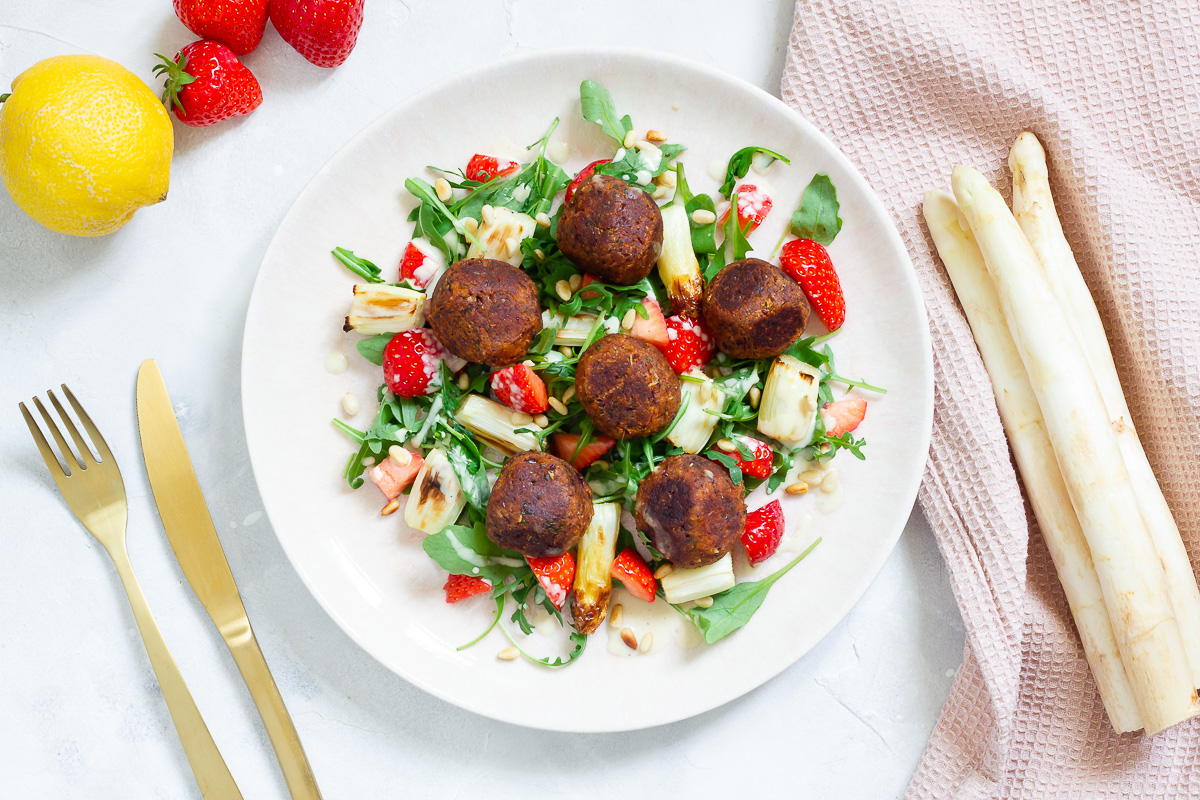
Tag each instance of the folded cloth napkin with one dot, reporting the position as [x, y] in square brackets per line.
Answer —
[909, 89]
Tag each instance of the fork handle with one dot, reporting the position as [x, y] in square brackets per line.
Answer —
[212, 775]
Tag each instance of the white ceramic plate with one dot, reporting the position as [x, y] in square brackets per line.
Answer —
[369, 572]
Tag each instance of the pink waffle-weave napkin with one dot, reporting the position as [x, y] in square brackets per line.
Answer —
[1112, 89]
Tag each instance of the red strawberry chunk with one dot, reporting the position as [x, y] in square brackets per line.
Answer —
[843, 416]
[565, 443]
[421, 261]
[760, 465]
[412, 362]
[753, 206]
[764, 530]
[460, 587]
[808, 263]
[634, 573]
[556, 576]
[689, 344]
[653, 329]
[483, 168]
[392, 477]
[586, 280]
[519, 388]
[583, 175]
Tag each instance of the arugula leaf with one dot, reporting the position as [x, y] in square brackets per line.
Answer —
[372, 347]
[495, 621]
[817, 217]
[465, 459]
[466, 550]
[359, 266]
[597, 105]
[733, 608]
[704, 235]
[739, 165]
[733, 233]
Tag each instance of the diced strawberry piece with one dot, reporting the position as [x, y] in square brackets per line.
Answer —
[583, 175]
[556, 576]
[764, 530]
[460, 587]
[760, 465]
[421, 261]
[392, 477]
[483, 168]
[652, 329]
[412, 362]
[634, 573]
[565, 444]
[519, 388]
[689, 344]
[586, 280]
[808, 263]
[753, 206]
[843, 416]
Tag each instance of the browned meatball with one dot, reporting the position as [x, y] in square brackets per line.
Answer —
[626, 387]
[691, 510]
[612, 230]
[485, 311]
[540, 506]
[754, 310]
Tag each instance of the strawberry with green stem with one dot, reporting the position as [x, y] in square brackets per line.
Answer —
[206, 83]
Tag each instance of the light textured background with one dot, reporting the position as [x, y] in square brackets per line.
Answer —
[81, 713]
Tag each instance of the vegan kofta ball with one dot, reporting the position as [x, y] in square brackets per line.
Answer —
[691, 510]
[626, 386]
[540, 506]
[612, 230]
[754, 310]
[485, 311]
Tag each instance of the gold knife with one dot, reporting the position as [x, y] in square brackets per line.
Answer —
[190, 528]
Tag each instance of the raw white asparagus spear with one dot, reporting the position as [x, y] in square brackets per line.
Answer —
[1033, 206]
[1035, 458]
[1085, 447]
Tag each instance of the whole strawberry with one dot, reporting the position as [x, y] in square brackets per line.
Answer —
[206, 84]
[237, 24]
[323, 31]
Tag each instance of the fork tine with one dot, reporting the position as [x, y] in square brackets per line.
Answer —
[93, 431]
[84, 453]
[68, 456]
[48, 456]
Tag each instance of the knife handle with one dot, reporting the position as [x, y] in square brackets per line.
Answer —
[249, 658]
[212, 775]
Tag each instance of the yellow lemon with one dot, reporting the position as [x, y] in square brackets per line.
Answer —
[84, 143]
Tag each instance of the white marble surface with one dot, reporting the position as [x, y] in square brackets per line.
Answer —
[82, 716]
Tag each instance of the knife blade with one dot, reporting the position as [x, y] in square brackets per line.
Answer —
[193, 537]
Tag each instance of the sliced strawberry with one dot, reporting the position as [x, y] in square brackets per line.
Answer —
[519, 388]
[807, 262]
[421, 261]
[583, 175]
[753, 206]
[760, 465]
[483, 168]
[411, 362]
[460, 587]
[634, 573]
[392, 477]
[653, 329]
[689, 344]
[556, 575]
[843, 416]
[565, 444]
[586, 280]
[764, 529]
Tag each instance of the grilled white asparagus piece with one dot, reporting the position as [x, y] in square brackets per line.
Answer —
[496, 424]
[695, 424]
[1033, 206]
[1127, 565]
[594, 560]
[1043, 481]
[437, 497]
[788, 408]
[500, 233]
[574, 331]
[677, 265]
[381, 308]
[683, 585]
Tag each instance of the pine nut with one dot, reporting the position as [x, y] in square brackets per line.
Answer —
[542, 219]
[528, 362]
[668, 179]
[390, 508]
[616, 615]
[629, 318]
[563, 290]
[464, 381]
[799, 487]
[508, 654]
[520, 419]
[575, 281]
[646, 643]
[726, 445]
[702, 216]
[569, 393]
[600, 463]
[755, 396]
[541, 420]
[557, 405]
[704, 602]
[399, 455]
[811, 477]
[349, 404]
[629, 638]
[655, 136]
[488, 214]
[541, 256]
[444, 192]
[663, 571]
[630, 138]
[659, 192]
[565, 351]
[830, 484]
[470, 225]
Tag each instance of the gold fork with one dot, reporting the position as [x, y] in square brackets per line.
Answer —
[95, 493]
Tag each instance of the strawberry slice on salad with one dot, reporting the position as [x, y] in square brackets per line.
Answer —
[460, 587]
[653, 329]
[843, 416]
[483, 168]
[759, 466]
[689, 344]
[565, 443]
[412, 362]
[393, 477]
[519, 388]
[634, 573]
[556, 575]
[808, 264]
[753, 205]
[420, 263]
[763, 532]
[583, 175]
